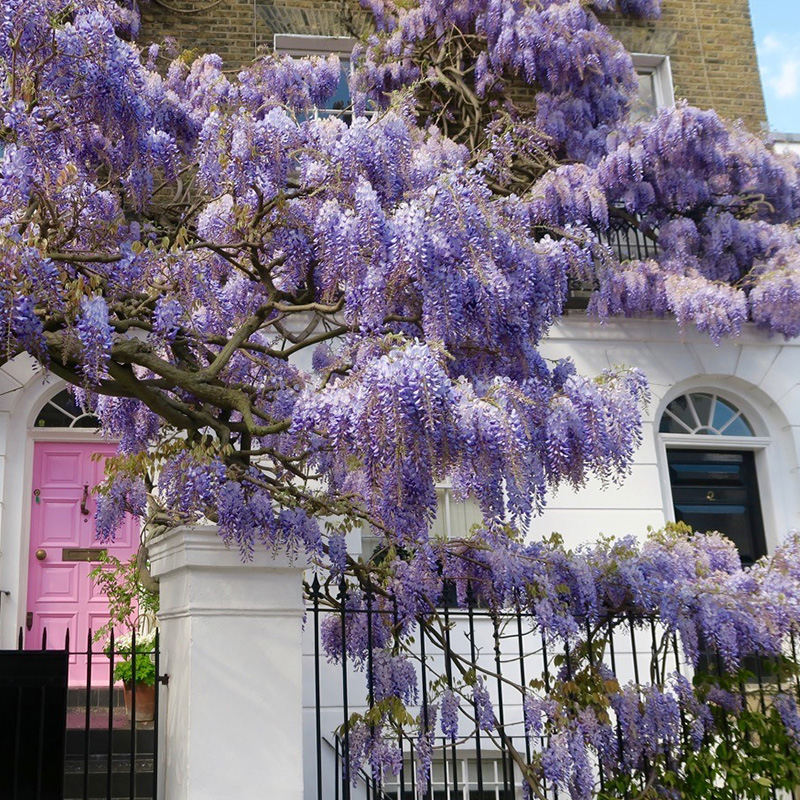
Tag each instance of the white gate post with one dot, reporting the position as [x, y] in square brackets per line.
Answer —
[231, 645]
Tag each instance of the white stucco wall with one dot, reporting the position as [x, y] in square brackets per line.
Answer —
[788, 142]
[760, 375]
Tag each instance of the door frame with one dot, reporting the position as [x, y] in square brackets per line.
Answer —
[33, 435]
[760, 446]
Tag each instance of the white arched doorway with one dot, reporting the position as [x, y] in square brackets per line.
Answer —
[712, 451]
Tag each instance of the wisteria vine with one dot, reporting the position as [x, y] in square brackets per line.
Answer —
[297, 323]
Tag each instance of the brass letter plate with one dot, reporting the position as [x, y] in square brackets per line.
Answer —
[82, 553]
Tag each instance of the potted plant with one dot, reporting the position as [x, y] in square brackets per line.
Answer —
[137, 671]
[132, 606]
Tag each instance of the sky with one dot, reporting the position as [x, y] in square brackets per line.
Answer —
[776, 25]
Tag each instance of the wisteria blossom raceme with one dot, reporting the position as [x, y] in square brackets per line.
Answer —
[681, 589]
[296, 324]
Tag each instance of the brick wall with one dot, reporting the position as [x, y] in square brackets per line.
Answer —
[237, 28]
[710, 42]
[712, 54]
[228, 27]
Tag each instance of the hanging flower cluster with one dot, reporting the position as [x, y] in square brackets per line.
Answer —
[688, 592]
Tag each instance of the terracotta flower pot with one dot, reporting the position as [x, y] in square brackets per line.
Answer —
[145, 701]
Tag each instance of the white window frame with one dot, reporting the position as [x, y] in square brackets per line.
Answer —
[659, 67]
[762, 446]
[492, 778]
[299, 45]
[304, 45]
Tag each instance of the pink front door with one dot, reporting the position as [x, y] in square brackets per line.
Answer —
[61, 596]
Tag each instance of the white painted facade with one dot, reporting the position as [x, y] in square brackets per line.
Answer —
[253, 610]
[758, 374]
[787, 142]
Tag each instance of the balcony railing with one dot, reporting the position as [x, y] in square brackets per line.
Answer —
[626, 242]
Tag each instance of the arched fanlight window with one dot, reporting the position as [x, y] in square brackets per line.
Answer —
[63, 412]
[714, 482]
[704, 413]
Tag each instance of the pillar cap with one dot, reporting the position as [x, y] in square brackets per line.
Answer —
[200, 546]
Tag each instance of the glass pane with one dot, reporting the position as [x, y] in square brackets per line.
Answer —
[86, 421]
[739, 427]
[52, 417]
[341, 97]
[66, 401]
[702, 405]
[723, 413]
[645, 105]
[678, 408]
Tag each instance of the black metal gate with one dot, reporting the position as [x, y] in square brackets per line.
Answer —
[72, 737]
[33, 723]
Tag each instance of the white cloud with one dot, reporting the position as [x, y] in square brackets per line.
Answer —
[771, 43]
[787, 82]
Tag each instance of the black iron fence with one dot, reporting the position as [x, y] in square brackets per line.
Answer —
[508, 652]
[626, 241]
[78, 722]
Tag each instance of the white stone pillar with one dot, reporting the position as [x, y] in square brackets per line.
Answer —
[231, 644]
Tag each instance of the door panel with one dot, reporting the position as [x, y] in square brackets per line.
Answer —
[718, 491]
[61, 595]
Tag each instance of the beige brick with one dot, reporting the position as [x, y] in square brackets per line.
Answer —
[709, 42]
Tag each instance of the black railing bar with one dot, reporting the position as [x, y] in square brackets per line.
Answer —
[590, 651]
[346, 751]
[132, 768]
[522, 681]
[40, 749]
[87, 716]
[424, 672]
[402, 775]
[634, 652]
[370, 665]
[655, 677]
[109, 755]
[445, 771]
[773, 792]
[449, 674]
[613, 658]
[473, 655]
[684, 723]
[413, 769]
[318, 710]
[395, 628]
[504, 754]
[338, 772]
[157, 702]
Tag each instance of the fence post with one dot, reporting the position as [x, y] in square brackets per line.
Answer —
[231, 645]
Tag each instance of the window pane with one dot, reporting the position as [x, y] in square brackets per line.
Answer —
[341, 97]
[678, 408]
[52, 417]
[723, 414]
[86, 421]
[66, 401]
[739, 427]
[645, 105]
[702, 405]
